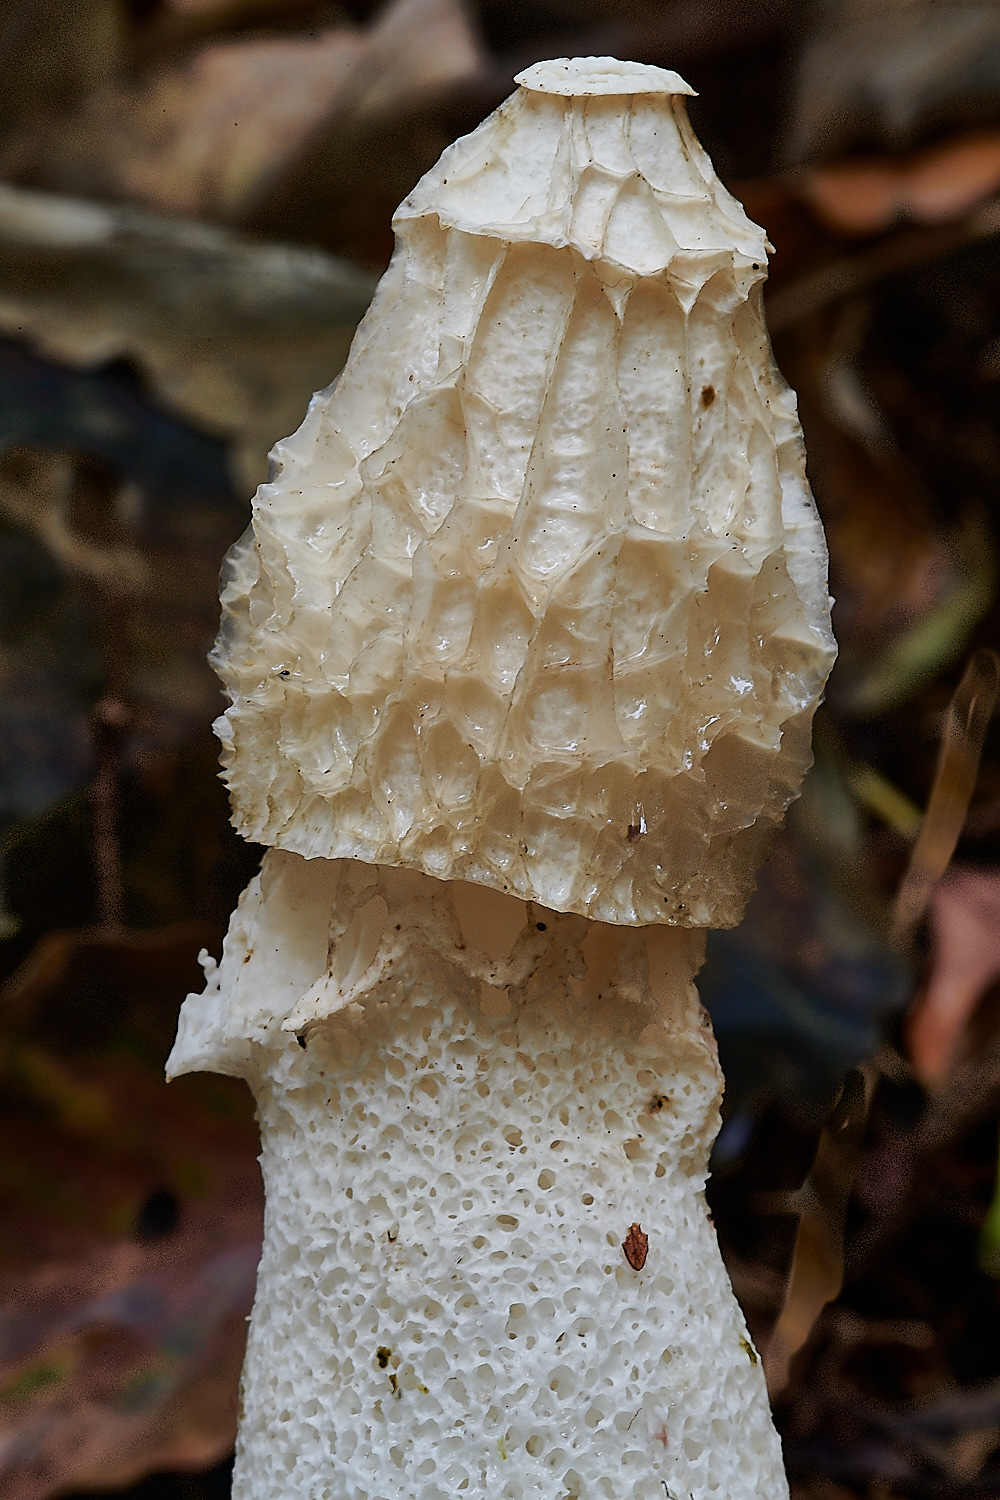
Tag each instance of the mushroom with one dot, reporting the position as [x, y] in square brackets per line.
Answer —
[522, 648]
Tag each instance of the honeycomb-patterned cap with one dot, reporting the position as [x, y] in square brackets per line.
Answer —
[537, 597]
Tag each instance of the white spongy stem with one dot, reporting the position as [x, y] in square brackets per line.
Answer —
[465, 1103]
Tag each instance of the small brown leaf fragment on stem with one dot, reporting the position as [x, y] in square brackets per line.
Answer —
[636, 1247]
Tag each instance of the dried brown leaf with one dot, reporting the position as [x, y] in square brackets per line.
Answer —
[233, 334]
[209, 136]
[817, 1268]
[964, 914]
[963, 734]
[132, 1219]
[882, 70]
[868, 195]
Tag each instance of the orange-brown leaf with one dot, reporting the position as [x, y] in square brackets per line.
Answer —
[865, 196]
[965, 962]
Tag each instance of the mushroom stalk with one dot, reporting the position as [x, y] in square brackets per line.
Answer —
[522, 651]
[470, 1102]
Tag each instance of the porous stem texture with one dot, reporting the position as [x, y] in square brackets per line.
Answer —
[466, 1101]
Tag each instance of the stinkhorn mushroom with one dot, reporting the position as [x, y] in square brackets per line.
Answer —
[522, 648]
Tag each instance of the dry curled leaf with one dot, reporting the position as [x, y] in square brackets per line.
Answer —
[963, 733]
[817, 1268]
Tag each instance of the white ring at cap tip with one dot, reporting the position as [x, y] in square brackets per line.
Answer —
[593, 76]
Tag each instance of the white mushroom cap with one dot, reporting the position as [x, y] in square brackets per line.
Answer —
[594, 76]
[597, 155]
[538, 596]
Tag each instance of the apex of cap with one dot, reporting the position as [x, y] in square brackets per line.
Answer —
[583, 76]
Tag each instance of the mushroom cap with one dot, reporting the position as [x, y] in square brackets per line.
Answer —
[537, 596]
[598, 156]
[595, 76]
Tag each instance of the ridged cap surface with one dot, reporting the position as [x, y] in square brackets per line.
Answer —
[537, 597]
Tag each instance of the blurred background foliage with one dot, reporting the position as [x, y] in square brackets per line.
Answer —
[195, 204]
